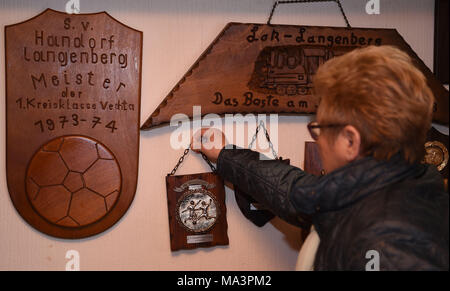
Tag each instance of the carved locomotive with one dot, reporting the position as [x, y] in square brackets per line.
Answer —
[289, 70]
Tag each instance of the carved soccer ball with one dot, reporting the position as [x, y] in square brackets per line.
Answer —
[73, 181]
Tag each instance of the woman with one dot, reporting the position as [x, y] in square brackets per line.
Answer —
[377, 196]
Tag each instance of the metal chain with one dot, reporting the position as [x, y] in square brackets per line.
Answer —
[186, 151]
[343, 13]
[255, 136]
[209, 162]
[307, 1]
[180, 161]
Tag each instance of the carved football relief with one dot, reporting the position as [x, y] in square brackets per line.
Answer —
[72, 120]
[73, 181]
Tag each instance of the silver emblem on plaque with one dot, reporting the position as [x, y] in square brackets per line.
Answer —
[197, 209]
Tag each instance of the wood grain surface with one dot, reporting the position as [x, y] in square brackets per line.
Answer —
[72, 115]
[313, 162]
[259, 68]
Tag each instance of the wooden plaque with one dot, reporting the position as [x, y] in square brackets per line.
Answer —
[197, 211]
[313, 162]
[261, 68]
[72, 120]
[436, 152]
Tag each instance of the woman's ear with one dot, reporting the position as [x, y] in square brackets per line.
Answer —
[352, 142]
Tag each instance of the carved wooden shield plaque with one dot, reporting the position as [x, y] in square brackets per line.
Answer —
[197, 211]
[73, 110]
[263, 68]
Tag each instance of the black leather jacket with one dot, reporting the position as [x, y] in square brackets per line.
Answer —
[397, 209]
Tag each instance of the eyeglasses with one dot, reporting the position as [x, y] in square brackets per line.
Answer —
[314, 128]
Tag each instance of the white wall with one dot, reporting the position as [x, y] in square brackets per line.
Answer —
[175, 33]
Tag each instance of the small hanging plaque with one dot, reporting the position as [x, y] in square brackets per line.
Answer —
[197, 212]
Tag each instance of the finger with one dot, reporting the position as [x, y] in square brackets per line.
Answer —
[212, 139]
[197, 140]
[208, 135]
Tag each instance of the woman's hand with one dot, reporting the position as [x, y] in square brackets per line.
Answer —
[209, 141]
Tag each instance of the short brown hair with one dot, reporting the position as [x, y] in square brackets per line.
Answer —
[383, 95]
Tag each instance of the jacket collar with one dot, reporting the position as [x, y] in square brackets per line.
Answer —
[360, 178]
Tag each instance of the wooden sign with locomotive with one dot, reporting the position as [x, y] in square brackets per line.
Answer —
[72, 115]
[265, 68]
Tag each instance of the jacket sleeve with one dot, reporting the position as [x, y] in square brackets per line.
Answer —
[270, 182]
